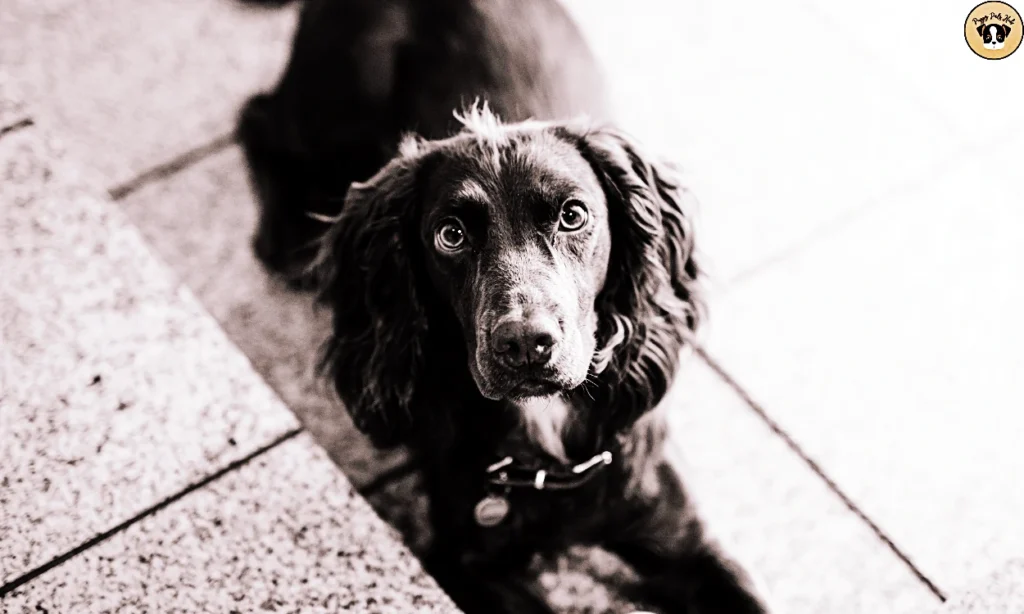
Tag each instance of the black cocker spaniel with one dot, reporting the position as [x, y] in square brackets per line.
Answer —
[511, 288]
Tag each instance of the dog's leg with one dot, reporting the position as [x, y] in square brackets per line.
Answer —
[682, 569]
[328, 122]
[482, 590]
[279, 179]
[294, 187]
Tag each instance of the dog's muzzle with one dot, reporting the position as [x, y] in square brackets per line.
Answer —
[526, 341]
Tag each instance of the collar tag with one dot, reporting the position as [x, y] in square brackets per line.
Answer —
[491, 510]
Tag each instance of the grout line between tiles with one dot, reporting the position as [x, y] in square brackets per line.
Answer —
[18, 125]
[820, 472]
[153, 509]
[171, 167]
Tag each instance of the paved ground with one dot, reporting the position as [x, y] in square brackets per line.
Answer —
[856, 439]
[146, 465]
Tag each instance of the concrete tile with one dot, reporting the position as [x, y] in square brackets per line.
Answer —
[1003, 591]
[130, 83]
[284, 533]
[201, 222]
[656, 56]
[932, 64]
[891, 351]
[779, 139]
[116, 389]
[12, 102]
[811, 551]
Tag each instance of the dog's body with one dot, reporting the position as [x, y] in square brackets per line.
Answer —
[510, 298]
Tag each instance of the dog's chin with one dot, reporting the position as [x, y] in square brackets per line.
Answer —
[529, 389]
[994, 46]
[507, 387]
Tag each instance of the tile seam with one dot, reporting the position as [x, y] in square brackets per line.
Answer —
[171, 167]
[817, 469]
[99, 538]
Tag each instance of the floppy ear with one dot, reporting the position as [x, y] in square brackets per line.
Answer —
[366, 271]
[981, 30]
[1006, 30]
[651, 299]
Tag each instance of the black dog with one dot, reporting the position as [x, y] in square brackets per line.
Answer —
[994, 35]
[510, 299]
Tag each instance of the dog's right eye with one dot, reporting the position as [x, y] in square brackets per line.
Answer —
[450, 236]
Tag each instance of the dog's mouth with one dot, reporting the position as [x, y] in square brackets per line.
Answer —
[522, 386]
[534, 387]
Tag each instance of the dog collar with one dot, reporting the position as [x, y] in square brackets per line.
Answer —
[507, 473]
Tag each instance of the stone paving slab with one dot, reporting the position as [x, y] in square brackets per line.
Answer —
[201, 222]
[941, 72]
[891, 352]
[12, 103]
[131, 83]
[116, 388]
[812, 552]
[1002, 592]
[285, 533]
[782, 136]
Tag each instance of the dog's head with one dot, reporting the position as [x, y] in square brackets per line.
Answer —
[994, 35]
[541, 257]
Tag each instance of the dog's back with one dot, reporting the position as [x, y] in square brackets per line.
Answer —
[377, 66]
[364, 72]
[527, 59]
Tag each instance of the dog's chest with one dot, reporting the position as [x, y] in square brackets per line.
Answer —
[537, 523]
[544, 422]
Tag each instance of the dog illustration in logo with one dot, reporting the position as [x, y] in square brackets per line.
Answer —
[994, 35]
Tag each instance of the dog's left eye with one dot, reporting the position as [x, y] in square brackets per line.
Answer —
[573, 216]
[450, 235]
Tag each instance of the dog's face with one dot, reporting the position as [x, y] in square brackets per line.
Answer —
[517, 244]
[994, 35]
[550, 257]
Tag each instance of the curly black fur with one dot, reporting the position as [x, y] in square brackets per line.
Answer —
[377, 352]
[652, 297]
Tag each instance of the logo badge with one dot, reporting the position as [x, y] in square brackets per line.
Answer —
[993, 30]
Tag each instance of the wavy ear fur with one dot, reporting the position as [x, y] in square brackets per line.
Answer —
[366, 269]
[651, 300]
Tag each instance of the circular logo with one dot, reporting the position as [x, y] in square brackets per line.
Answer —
[993, 30]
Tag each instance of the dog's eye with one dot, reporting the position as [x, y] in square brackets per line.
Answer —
[573, 216]
[450, 236]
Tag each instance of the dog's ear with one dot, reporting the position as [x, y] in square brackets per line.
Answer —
[365, 268]
[981, 30]
[651, 300]
[1006, 31]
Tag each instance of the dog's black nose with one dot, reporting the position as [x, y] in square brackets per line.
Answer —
[518, 342]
